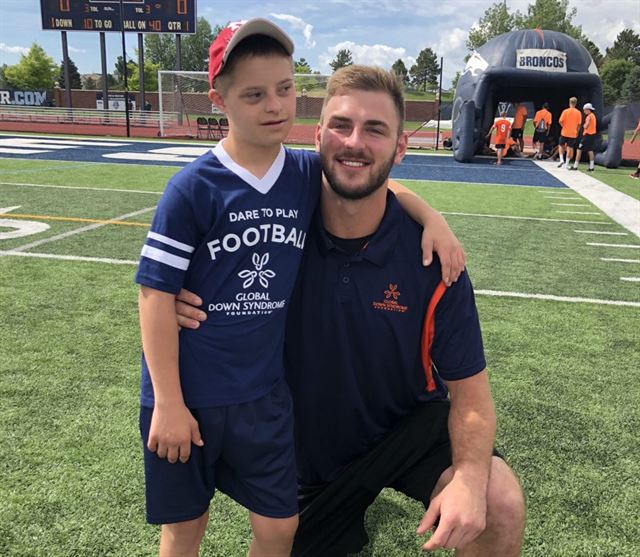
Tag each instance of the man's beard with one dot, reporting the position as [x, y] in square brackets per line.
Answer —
[378, 178]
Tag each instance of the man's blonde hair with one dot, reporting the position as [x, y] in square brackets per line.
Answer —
[573, 101]
[367, 78]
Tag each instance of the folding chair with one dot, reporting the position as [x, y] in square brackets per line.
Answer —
[214, 128]
[224, 126]
[203, 126]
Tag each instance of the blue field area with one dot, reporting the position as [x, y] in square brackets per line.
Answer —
[513, 172]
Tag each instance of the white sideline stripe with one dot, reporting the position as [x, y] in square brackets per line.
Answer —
[170, 242]
[167, 258]
[601, 232]
[579, 212]
[618, 260]
[526, 218]
[568, 192]
[81, 230]
[17, 151]
[68, 257]
[562, 197]
[77, 188]
[631, 279]
[572, 204]
[556, 298]
[631, 246]
[496, 293]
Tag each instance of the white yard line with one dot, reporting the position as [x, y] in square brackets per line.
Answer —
[579, 212]
[601, 232]
[513, 217]
[554, 298]
[77, 188]
[81, 230]
[631, 279]
[619, 260]
[622, 208]
[571, 204]
[68, 257]
[629, 246]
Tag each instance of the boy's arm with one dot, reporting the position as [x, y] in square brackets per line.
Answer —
[436, 235]
[491, 130]
[173, 428]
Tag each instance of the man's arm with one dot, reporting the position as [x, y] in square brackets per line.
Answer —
[462, 505]
[173, 428]
[436, 235]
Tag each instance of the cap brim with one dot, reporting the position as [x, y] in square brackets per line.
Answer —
[259, 26]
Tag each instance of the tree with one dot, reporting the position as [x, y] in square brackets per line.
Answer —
[401, 71]
[90, 84]
[118, 72]
[625, 47]
[35, 70]
[613, 76]
[594, 51]
[150, 77]
[302, 66]
[342, 59]
[454, 81]
[426, 70]
[553, 15]
[3, 79]
[496, 20]
[631, 86]
[74, 75]
[161, 50]
[195, 48]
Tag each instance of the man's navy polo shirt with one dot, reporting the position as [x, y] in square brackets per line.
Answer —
[353, 343]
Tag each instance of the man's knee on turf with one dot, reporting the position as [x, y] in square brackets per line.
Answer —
[272, 537]
[182, 539]
[505, 501]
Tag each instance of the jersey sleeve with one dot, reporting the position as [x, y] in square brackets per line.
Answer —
[457, 351]
[175, 233]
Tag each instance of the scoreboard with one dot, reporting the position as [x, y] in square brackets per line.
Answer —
[139, 16]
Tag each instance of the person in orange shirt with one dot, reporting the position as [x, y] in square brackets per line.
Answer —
[588, 139]
[517, 128]
[542, 125]
[570, 120]
[502, 127]
[636, 174]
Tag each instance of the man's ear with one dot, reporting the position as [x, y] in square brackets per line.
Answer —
[318, 132]
[216, 98]
[401, 148]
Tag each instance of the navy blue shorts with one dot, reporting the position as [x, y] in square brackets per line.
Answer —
[568, 141]
[587, 143]
[516, 133]
[248, 454]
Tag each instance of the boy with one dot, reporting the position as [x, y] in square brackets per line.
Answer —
[542, 125]
[231, 227]
[502, 126]
[588, 139]
[570, 120]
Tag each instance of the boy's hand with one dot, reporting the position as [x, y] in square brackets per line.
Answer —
[438, 237]
[173, 429]
[187, 312]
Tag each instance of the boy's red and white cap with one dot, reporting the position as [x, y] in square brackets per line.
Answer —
[231, 35]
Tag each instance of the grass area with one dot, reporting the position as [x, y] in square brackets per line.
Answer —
[563, 374]
[618, 178]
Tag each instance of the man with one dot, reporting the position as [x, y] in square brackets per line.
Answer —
[542, 126]
[635, 175]
[517, 129]
[588, 139]
[365, 324]
[570, 120]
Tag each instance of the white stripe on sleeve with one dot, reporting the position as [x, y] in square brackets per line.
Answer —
[165, 257]
[170, 242]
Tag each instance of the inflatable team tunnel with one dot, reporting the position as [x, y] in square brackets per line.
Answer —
[533, 66]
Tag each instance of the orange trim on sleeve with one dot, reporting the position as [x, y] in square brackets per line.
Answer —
[428, 333]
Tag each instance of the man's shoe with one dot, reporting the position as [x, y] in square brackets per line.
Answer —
[590, 169]
[561, 165]
[572, 168]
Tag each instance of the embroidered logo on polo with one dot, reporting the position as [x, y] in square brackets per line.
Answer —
[390, 302]
[252, 303]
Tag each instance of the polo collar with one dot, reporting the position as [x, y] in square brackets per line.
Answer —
[381, 245]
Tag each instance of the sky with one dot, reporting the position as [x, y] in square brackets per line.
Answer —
[376, 32]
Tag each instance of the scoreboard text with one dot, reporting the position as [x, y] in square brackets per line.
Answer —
[139, 16]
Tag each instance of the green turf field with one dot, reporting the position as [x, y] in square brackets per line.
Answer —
[564, 372]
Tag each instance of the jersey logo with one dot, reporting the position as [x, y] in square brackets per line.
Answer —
[262, 274]
[390, 302]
